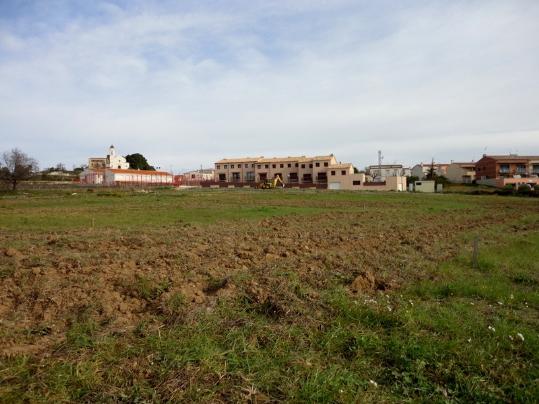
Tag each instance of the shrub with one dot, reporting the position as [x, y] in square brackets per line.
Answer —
[524, 190]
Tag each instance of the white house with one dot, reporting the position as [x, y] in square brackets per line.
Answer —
[380, 172]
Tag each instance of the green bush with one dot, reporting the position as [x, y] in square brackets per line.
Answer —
[524, 190]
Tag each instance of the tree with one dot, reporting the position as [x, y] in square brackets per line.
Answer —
[16, 166]
[138, 162]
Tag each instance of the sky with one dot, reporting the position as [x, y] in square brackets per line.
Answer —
[186, 83]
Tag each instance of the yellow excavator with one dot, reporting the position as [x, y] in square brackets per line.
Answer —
[270, 184]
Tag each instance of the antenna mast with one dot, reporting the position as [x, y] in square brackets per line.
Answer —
[380, 158]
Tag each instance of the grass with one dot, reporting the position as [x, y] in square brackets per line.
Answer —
[448, 332]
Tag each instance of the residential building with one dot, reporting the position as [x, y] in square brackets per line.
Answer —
[206, 174]
[319, 171]
[292, 170]
[421, 170]
[501, 170]
[461, 173]
[388, 170]
[112, 160]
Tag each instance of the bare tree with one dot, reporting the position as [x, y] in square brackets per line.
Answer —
[16, 166]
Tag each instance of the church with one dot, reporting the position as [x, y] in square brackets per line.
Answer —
[111, 161]
[114, 170]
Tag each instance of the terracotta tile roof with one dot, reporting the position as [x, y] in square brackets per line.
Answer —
[341, 165]
[141, 172]
[262, 159]
[468, 164]
[239, 160]
[513, 157]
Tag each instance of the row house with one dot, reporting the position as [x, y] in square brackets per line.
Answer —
[507, 169]
[292, 170]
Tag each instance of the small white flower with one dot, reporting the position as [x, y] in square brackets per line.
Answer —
[373, 383]
[520, 336]
[491, 328]
[500, 303]
[411, 303]
[341, 391]
[511, 337]
[469, 340]
[472, 303]
[389, 308]
[512, 297]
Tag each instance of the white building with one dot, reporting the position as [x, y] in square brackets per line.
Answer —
[114, 170]
[206, 174]
[115, 176]
[380, 172]
[111, 161]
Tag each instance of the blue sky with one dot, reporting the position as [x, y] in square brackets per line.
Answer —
[188, 82]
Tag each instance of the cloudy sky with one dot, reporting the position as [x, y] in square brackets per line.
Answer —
[188, 82]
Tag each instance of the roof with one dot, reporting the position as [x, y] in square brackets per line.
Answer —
[239, 160]
[143, 172]
[429, 164]
[345, 165]
[273, 159]
[386, 166]
[512, 157]
[463, 164]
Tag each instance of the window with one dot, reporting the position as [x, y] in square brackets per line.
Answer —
[281, 165]
[318, 164]
[333, 173]
[274, 166]
[343, 172]
[535, 169]
[311, 165]
[193, 176]
[521, 168]
[326, 164]
[303, 166]
[296, 165]
[231, 165]
[259, 166]
[356, 182]
[218, 166]
[239, 166]
[249, 176]
[504, 168]
[253, 166]
[222, 177]
[236, 177]
[289, 165]
[266, 165]
[225, 166]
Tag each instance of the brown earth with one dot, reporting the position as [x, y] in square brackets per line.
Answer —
[118, 280]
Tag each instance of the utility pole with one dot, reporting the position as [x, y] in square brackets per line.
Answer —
[380, 158]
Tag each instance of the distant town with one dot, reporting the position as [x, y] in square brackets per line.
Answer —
[318, 172]
[323, 172]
